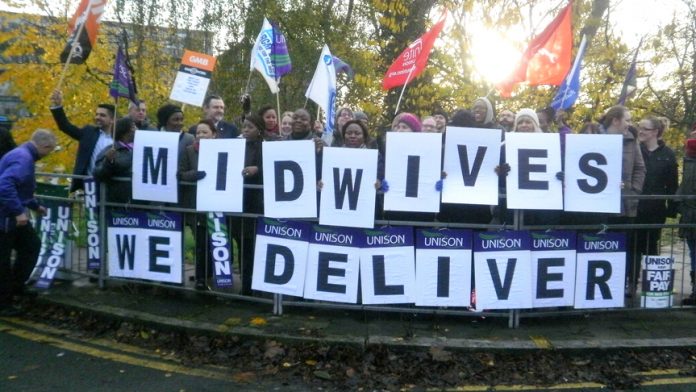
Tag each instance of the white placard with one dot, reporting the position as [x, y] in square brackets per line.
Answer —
[503, 280]
[430, 287]
[332, 273]
[412, 167]
[593, 173]
[534, 160]
[471, 155]
[553, 278]
[193, 78]
[279, 265]
[155, 163]
[222, 189]
[608, 291]
[388, 275]
[290, 179]
[348, 194]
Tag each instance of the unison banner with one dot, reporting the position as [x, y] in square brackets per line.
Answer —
[53, 229]
[387, 270]
[553, 268]
[333, 266]
[220, 249]
[280, 256]
[601, 270]
[145, 245]
[658, 282]
[502, 270]
[443, 267]
[92, 218]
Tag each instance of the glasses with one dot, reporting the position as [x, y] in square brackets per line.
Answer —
[646, 129]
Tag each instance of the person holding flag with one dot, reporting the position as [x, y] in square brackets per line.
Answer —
[92, 139]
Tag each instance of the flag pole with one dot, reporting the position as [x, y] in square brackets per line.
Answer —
[113, 124]
[408, 78]
[74, 45]
[246, 89]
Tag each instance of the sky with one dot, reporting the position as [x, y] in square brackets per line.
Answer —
[631, 20]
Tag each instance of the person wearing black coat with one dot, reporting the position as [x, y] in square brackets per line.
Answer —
[92, 138]
[7, 142]
[661, 178]
[244, 229]
[117, 161]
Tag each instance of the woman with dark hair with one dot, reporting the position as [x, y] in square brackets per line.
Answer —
[244, 229]
[355, 135]
[188, 171]
[270, 121]
[7, 142]
[117, 161]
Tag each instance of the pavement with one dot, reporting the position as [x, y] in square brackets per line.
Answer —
[203, 313]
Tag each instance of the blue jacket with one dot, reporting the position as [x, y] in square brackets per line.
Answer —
[17, 184]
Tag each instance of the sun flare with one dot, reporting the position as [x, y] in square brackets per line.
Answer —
[492, 55]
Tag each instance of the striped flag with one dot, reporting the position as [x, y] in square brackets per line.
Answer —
[85, 22]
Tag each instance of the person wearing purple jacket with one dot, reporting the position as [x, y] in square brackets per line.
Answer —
[17, 185]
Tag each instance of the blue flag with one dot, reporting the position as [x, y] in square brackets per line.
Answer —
[570, 88]
[630, 83]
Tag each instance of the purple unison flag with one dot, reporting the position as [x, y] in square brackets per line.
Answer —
[630, 83]
[122, 85]
[342, 66]
[280, 57]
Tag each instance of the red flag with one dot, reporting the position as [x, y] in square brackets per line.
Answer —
[88, 12]
[412, 61]
[547, 58]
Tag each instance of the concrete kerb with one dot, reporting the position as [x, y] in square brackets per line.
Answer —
[361, 342]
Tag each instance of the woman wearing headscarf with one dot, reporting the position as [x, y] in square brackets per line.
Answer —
[484, 115]
[170, 118]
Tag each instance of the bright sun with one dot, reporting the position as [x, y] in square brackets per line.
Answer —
[493, 56]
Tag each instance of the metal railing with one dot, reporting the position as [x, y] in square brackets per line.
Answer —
[669, 244]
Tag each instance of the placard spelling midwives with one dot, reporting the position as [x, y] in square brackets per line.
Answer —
[413, 167]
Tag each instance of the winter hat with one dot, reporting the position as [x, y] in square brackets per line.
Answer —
[690, 148]
[411, 120]
[165, 112]
[489, 109]
[530, 114]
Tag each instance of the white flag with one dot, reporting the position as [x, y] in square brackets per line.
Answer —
[261, 56]
[322, 89]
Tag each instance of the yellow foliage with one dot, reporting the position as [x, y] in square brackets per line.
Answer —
[86, 85]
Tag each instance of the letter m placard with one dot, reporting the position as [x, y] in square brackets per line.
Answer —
[155, 158]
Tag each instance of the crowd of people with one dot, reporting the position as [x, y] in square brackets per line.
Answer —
[105, 152]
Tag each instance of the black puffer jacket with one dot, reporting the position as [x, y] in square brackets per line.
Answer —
[660, 179]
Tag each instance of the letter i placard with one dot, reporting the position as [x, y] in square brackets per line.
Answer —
[601, 270]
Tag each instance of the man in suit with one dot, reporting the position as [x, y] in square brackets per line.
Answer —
[92, 138]
[138, 113]
[214, 110]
